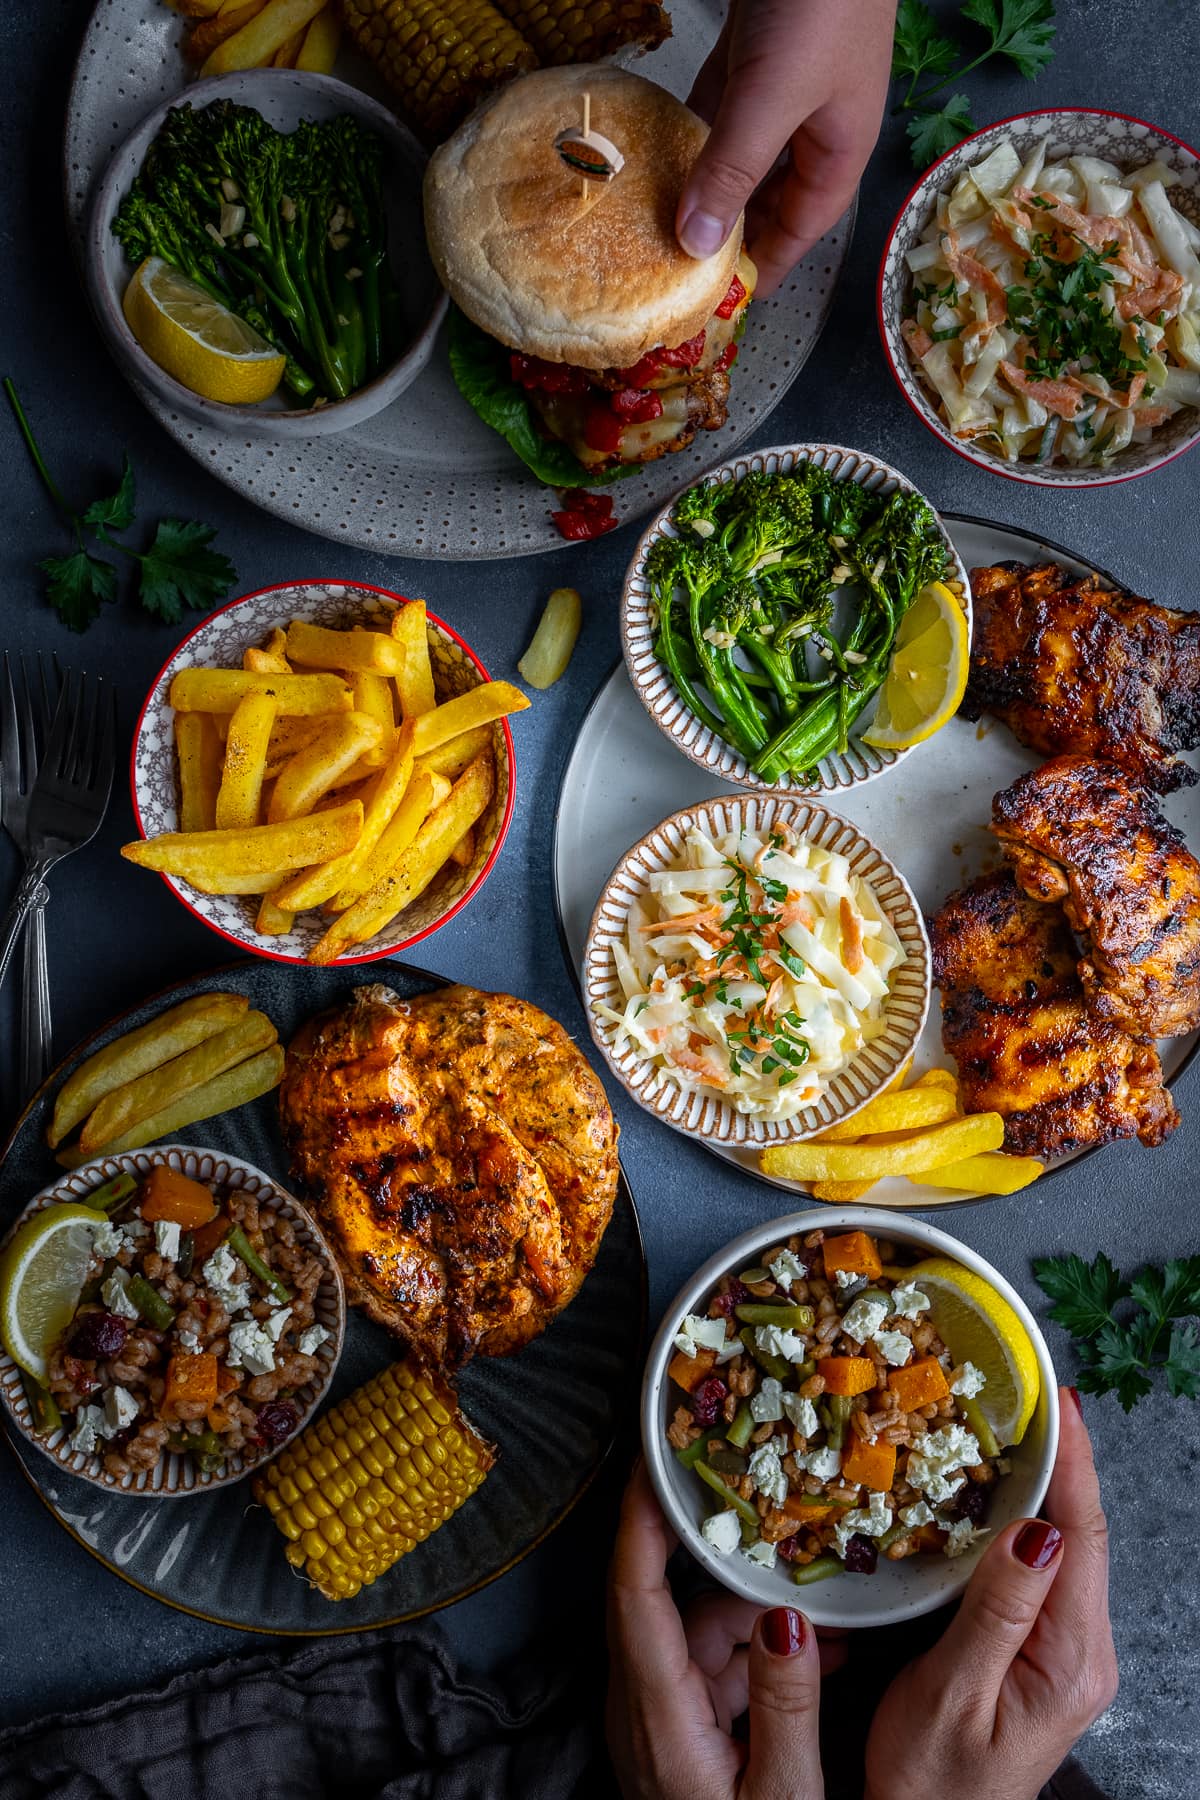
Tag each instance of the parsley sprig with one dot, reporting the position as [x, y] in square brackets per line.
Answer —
[1065, 315]
[1022, 30]
[1125, 1331]
[178, 568]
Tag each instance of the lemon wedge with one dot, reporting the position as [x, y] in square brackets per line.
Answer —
[197, 340]
[42, 1273]
[928, 672]
[977, 1326]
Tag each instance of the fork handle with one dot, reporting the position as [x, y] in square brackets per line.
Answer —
[36, 1042]
[24, 901]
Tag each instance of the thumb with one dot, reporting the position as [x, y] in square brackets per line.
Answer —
[785, 1700]
[999, 1608]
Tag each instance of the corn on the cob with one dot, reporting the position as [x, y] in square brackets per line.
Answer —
[372, 1477]
[440, 56]
[577, 31]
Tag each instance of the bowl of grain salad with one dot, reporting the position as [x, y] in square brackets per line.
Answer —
[205, 1331]
[813, 1437]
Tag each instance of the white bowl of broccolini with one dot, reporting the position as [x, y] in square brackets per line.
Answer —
[295, 202]
[761, 609]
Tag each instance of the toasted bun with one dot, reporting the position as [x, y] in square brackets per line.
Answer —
[596, 280]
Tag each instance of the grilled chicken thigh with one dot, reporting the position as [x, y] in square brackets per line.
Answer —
[1015, 1019]
[461, 1157]
[1080, 832]
[1070, 665]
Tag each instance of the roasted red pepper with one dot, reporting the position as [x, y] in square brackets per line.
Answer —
[683, 356]
[733, 299]
[603, 428]
[727, 358]
[637, 406]
[548, 377]
[584, 515]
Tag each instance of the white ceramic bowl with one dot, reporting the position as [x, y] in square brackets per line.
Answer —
[174, 1476]
[652, 681]
[898, 1590]
[1072, 131]
[705, 1115]
[284, 97]
[219, 643]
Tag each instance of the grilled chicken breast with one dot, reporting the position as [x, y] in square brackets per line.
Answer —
[462, 1158]
[1080, 832]
[1072, 666]
[1015, 1019]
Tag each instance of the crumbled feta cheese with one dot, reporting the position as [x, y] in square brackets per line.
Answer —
[893, 1346]
[846, 1278]
[968, 1382]
[166, 1239]
[908, 1302]
[767, 1404]
[107, 1239]
[120, 1410]
[135, 1228]
[722, 1532]
[761, 1553]
[802, 1413]
[871, 1521]
[278, 1323]
[787, 1268]
[777, 1342]
[935, 1456]
[188, 1341]
[312, 1339]
[864, 1318]
[825, 1464]
[962, 1536]
[917, 1514]
[250, 1348]
[708, 1334]
[115, 1297]
[89, 1424]
[220, 1273]
[766, 1472]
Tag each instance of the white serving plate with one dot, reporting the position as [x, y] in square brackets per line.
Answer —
[928, 815]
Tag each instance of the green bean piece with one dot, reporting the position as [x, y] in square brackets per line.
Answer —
[818, 1570]
[729, 1495]
[179, 1440]
[186, 1257]
[209, 1462]
[788, 1318]
[804, 1371]
[840, 1408]
[751, 1277]
[691, 1453]
[893, 1534]
[727, 1462]
[112, 1193]
[241, 1246]
[974, 1415]
[742, 1429]
[150, 1303]
[43, 1406]
[768, 1362]
[749, 1532]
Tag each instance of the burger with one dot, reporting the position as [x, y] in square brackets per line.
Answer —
[581, 330]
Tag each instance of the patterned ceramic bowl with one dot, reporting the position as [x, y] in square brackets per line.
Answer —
[704, 1115]
[219, 643]
[175, 1476]
[658, 693]
[1072, 131]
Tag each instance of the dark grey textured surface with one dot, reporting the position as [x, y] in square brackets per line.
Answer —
[116, 934]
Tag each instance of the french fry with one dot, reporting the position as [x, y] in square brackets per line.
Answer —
[159, 1088]
[285, 56]
[373, 696]
[200, 43]
[422, 794]
[245, 762]
[452, 757]
[317, 647]
[417, 867]
[931, 1149]
[986, 1174]
[199, 751]
[322, 41]
[178, 1029]
[289, 735]
[840, 1193]
[244, 1082]
[215, 880]
[478, 706]
[256, 43]
[464, 850]
[269, 658]
[257, 850]
[312, 887]
[414, 681]
[312, 772]
[554, 640]
[200, 9]
[939, 1078]
[904, 1110]
[219, 690]
[273, 920]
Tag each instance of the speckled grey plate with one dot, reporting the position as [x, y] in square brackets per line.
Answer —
[552, 1410]
[424, 477]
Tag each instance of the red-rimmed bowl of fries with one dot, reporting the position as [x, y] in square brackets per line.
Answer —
[323, 772]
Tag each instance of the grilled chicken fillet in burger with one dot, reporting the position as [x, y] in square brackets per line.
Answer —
[606, 344]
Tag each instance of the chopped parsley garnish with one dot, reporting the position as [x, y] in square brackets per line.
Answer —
[1065, 316]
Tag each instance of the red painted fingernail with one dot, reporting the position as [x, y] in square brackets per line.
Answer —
[783, 1631]
[1037, 1544]
[1074, 1393]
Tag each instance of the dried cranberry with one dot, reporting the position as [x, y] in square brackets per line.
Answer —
[862, 1554]
[708, 1400]
[970, 1502]
[789, 1549]
[734, 296]
[98, 1336]
[726, 359]
[547, 377]
[603, 428]
[81, 1374]
[736, 1294]
[637, 405]
[276, 1421]
[583, 522]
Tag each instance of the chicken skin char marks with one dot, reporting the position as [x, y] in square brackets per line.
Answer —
[461, 1156]
[1072, 666]
[1015, 1019]
[1079, 832]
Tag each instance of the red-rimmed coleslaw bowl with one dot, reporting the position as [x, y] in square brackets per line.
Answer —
[1119, 138]
[219, 643]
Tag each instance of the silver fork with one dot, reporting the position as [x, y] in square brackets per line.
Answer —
[70, 795]
[24, 728]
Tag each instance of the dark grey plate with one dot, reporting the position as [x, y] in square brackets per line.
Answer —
[552, 1410]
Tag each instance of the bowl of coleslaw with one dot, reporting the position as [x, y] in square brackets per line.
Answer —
[756, 970]
[1039, 297]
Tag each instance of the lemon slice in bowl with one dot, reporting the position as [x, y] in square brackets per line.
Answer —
[42, 1273]
[977, 1325]
[197, 340]
[927, 674]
